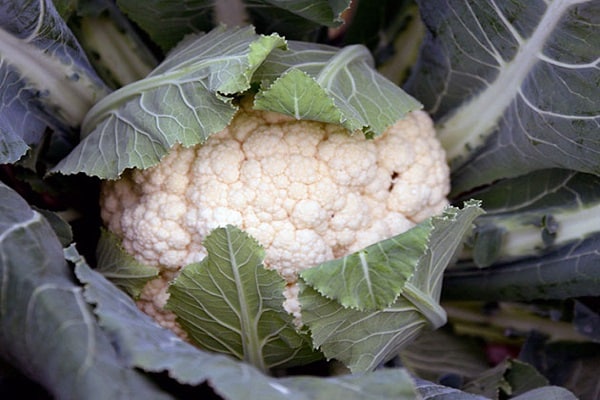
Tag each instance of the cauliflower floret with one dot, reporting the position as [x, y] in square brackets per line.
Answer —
[306, 191]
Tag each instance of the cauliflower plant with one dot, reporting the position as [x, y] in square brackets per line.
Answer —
[306, 191]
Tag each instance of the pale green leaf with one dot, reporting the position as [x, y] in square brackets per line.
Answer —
[364, 99]
[360, 339]
[298, 94]
[120, 267]
[47, 330]
[184, 100]
[364, 339]
[373, 278]
[229, 303]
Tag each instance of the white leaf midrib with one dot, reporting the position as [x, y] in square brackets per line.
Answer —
[470, 124]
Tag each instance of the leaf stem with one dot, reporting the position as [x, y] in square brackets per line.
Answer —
[431, 310]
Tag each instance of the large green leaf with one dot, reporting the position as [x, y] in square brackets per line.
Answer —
[143, 344]
[229, 303]
[42, 70]
[47, 329]
[512, 85]
[189, 97]
[184, 100]
[364, 339]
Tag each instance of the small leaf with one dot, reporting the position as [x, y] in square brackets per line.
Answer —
[229, 303]
[511, 377]
[120, 267]
[364, 99]
[297, 94]
[371, 279]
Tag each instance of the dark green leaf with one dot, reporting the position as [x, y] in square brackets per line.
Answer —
[42, 70]
[46, 328]
[511, 378]
[145, 345]
[512, 85]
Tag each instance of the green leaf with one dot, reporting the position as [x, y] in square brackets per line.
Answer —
[112, 42]
[364, 339]
[189, 97]
[145, 345]
[292, 19]
[42, 69]
[558, 207]
[364, 99]
[46, 328]
[511, 378]
[436, 354]
[120, 267]
[61, 228]
[229, 303]
[512, 85]
[184, 100]
[544, 240]
[569, 271]
[360, 339]
[298, 94]
[371, 279]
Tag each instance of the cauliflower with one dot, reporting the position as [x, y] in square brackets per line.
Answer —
[306, 191]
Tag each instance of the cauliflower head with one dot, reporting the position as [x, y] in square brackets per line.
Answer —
[307, 191]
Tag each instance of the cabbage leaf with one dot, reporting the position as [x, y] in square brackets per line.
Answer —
[42, 70]
[145, 345]
[363, 339]
[46, 327]
[538, 243]
[513, 86]
[189, 97]
[230, 303]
